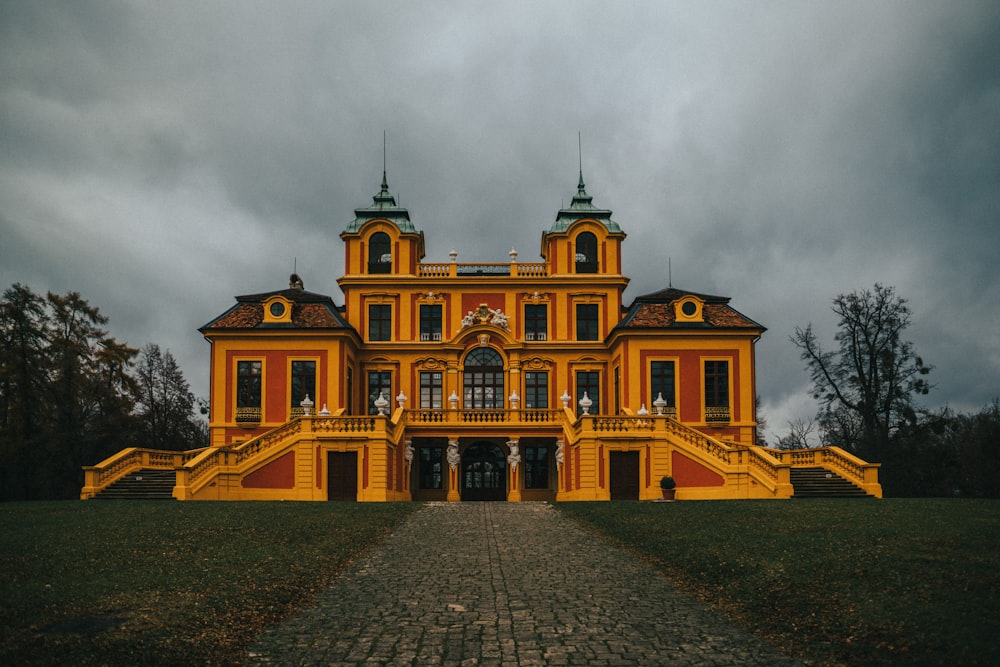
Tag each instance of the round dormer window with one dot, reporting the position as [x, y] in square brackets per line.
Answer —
[689, 308]
[277, 309]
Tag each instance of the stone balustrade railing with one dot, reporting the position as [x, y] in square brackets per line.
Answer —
[113, 468]
[195, 468]
[843, 462]
[482, 269]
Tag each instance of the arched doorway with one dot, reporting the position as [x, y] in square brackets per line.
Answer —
[484, 472]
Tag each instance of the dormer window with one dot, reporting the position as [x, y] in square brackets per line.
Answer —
[586, 253]
[278, 309]
[689, 309]
[379, 253]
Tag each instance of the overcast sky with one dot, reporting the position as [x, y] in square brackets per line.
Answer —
[162, 157]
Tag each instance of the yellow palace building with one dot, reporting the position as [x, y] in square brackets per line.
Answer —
[482, 381]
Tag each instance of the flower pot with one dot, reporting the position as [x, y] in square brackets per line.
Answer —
[668, 494]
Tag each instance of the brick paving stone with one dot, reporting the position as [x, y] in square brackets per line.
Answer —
[504, 585]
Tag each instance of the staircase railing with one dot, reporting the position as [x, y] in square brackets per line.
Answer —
[196, 468]
[845, 464]
[195, 473]
[724, 458]
[99, 477]
[207, 466]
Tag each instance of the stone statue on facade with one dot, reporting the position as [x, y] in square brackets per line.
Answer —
[500, 319]
[515, 456]
[454, 458]
[408, 453]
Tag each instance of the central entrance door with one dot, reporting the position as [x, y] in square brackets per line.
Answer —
[342, 476]
[624, 475]
[484, 472]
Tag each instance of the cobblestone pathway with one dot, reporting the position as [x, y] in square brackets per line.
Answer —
[504, 584]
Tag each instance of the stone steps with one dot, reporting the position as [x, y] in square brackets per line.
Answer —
[821, 483]
[145, 484]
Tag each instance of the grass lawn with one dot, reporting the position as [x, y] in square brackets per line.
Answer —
[857, 582]
[837, 582]
[147, 582]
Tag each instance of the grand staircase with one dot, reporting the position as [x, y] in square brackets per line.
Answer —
[821, 483]
[145, 484]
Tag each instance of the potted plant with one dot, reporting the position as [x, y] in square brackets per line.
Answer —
[668, 486]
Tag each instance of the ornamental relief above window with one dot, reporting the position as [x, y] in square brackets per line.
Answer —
[537, 363]
[486, 315]
[431, 363]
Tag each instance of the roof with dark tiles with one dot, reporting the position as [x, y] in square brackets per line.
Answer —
[309, 311]
[656, 311]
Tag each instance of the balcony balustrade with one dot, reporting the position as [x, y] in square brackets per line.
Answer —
[482, 270]
[482, 416]
[717, 415]
[246, 415]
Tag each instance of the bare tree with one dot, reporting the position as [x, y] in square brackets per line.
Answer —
[798, 436]
[869, 382]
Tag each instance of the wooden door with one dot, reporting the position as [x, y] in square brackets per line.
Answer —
[342, 475]
[624, 475]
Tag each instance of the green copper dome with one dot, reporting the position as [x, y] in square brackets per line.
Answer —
[383, 208]
[580, 208]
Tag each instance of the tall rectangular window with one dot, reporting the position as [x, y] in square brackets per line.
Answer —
[379, 382]
[661, 383]
[431, 467]
[431, 389]
[588, 382]
[349, 399]
[717, 391]
[536, 321]
[430, 322]
[303, 382]
[717, 384]
[536, 390]
[379, 322]
[536, 467]
[248, 390]
[617, 390]
[587, 321]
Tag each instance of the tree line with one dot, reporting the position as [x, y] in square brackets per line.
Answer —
[867, 388]
[71, 395]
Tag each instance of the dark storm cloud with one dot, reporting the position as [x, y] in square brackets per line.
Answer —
[162, 157]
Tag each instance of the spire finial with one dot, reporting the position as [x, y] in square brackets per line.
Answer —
[385, 180]
[579, 147]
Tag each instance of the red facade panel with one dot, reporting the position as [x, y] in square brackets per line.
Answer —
[278, 474]
[687, 472]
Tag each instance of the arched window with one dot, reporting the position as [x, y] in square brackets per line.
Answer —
[484, 386]
[379, 253]
[586, 253]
